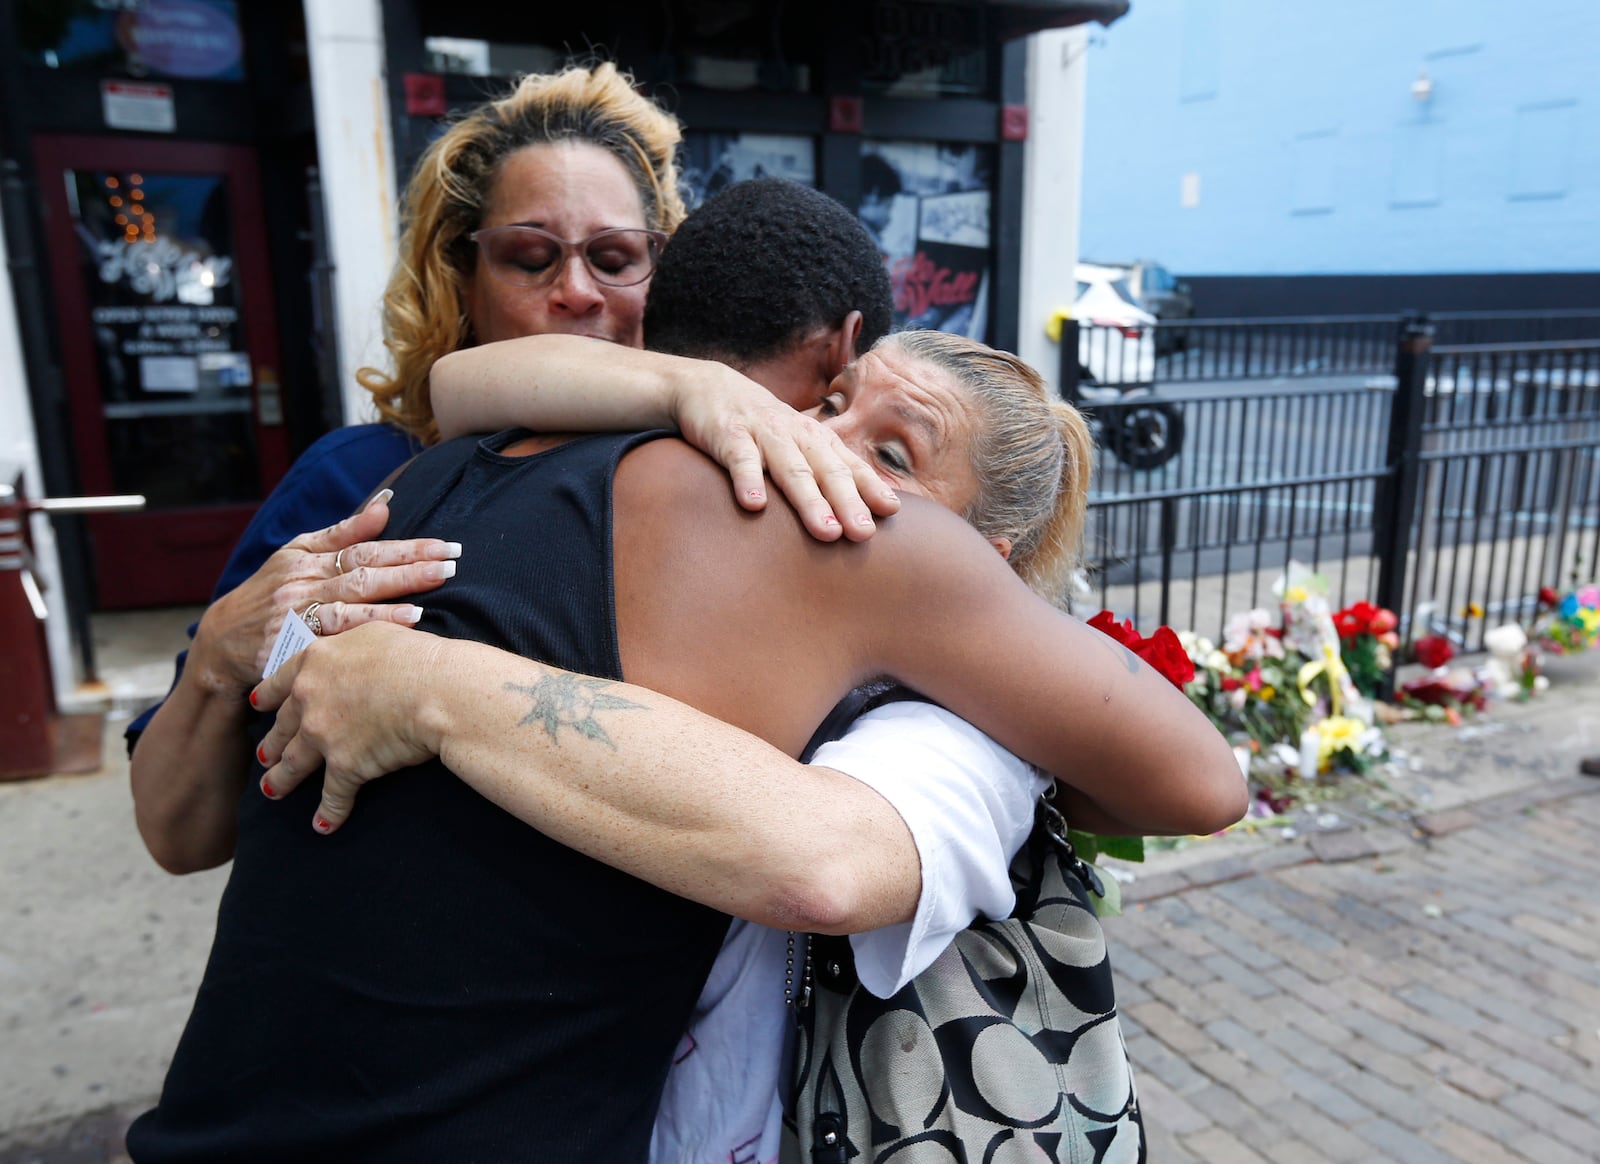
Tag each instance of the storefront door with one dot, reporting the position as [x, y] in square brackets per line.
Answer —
[169, 349]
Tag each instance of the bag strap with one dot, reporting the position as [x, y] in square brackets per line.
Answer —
[1049, 823]
[838, 970]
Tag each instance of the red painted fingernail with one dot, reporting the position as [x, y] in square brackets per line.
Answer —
[261, 753]
[321, 825]
[253, 702]
[268, 790]
[755, 494]
[863, 520]
[829, 519]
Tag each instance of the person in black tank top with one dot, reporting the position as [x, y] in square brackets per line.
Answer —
[489, 994]
[486, 983]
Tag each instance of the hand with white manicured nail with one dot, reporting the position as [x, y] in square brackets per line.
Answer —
[341, 567]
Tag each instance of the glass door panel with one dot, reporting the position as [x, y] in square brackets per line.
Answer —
[175, 378]
[169, 351]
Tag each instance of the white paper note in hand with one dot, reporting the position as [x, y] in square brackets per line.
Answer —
[293, 637]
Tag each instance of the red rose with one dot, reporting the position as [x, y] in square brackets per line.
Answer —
[1354, 620]
[1161, 650]
[1548, 596]
[1123, 632]
[1433, 650]
[1165, 653]
[1229, 683]
[1384, 621]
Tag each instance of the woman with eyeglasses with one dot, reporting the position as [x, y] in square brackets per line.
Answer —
[542, 212]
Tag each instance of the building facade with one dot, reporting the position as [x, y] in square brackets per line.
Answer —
[200, 213]
[1289, 158]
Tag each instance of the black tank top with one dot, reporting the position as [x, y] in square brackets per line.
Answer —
[438, 981]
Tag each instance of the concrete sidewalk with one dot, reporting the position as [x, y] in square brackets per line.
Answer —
[1377, 988]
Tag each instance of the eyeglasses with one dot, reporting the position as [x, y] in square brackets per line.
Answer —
[526, 256]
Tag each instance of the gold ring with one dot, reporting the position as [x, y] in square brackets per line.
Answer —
[338, 561]
[311, 620]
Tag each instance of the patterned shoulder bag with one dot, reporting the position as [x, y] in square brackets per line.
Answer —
[1006, 1047]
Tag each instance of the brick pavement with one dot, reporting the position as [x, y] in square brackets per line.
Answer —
[1411, 999]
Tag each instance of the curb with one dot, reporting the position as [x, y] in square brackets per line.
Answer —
[1359, 842]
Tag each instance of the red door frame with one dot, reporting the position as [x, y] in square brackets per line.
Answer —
[168, 556]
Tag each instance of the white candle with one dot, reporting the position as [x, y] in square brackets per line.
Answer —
[1309, 741]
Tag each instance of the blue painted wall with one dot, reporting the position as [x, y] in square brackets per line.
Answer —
[1309, 154]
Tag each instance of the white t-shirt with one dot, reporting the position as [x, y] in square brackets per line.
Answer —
[969, 804]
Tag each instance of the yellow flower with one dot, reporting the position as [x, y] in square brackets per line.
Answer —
[1472, 610]
[1268, 692]
[1338, 733]
[1295, 594]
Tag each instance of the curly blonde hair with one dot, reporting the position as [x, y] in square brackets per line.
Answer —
[423, 314]
[1032, 455]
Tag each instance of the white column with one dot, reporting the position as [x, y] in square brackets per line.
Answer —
[19, 449]
[356, 158]
[1052, 188]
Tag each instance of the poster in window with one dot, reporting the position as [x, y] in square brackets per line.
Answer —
[927, 206]
[712, 161]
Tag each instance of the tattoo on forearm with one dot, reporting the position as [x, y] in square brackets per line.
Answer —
[561, 700]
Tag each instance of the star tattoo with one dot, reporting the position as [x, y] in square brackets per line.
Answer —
[571, 701]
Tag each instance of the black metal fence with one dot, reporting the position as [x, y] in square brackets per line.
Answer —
[1491, 453]
[1506, 496]
[1204, 350]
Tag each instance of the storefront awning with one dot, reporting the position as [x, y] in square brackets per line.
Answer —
[1014, 18]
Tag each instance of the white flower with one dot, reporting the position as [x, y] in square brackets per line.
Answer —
[1246, 634]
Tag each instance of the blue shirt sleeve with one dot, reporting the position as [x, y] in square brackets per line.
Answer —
[325, 485]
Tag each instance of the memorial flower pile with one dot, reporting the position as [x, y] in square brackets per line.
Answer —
[1293, 688]
[1442, 693]
[1297, 689]
[1568, 623]
[1368, 637]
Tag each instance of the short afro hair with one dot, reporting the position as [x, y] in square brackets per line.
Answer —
[760, 266]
